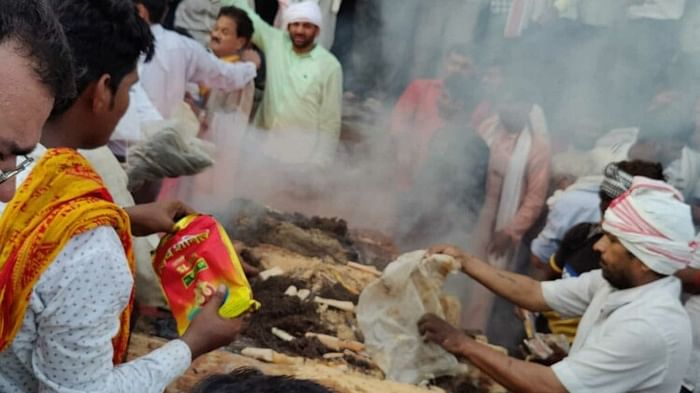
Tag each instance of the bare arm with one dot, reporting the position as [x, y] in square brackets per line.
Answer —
[515, 375]
[517, 288]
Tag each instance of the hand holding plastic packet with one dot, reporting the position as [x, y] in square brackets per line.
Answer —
[193, 262]
[388, 312]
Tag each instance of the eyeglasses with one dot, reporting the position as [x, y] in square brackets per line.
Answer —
[7, 175]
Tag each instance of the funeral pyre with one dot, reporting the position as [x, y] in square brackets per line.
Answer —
[312, 271]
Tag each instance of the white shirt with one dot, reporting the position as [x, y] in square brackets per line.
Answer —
[692, 377]
[657, 9]
[65, 342]
[633, 340]
[139, 112]
[179, 60]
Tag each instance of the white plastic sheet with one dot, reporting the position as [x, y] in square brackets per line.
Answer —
[388, 312]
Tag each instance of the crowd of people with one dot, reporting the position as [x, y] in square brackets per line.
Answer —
[558, 144]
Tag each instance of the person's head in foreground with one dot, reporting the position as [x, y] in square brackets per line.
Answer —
[647, 234]
[35, 70]
[304, 22]
[106, 38]
[250, 380]
[231, 33]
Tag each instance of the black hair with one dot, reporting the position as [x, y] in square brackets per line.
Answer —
[251, 380]
[244, 25]
[156, 9]
[33, 26]
[650, 170]
[105, 37]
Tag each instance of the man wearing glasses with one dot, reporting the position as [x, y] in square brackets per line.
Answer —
[35, 71]
[66, 262]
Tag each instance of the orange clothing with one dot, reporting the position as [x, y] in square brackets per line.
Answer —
[61, 198]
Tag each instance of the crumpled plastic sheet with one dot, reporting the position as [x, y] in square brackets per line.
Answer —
[388, 312]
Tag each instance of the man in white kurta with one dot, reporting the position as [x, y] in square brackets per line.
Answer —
[634, 334]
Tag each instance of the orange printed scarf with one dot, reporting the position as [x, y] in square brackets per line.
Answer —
[62, 197]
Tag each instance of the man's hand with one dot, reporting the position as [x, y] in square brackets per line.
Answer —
[208, 330]
[156, 217]
[459, 255]
[500, 244]
[252, 56]
[447, 249]
[437, 330]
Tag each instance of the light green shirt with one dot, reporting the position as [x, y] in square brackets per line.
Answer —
[302, 92]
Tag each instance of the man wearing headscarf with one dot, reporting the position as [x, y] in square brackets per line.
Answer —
[634, 334]
[301, 107]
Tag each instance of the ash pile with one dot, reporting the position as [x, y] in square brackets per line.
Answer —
[312, 271]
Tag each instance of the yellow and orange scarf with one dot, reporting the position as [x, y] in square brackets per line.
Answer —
[62, 197]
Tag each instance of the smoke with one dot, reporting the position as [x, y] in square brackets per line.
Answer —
[591, 68]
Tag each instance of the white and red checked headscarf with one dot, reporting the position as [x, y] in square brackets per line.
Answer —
[652, 222]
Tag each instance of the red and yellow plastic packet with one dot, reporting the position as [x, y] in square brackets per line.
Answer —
[193, 262]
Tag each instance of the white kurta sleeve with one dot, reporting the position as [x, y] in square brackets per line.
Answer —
[206, 68]
[77, 303]
[571, 296]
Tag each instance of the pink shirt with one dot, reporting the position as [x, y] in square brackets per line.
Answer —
[535, 186]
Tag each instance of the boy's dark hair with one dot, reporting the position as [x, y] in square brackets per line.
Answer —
[105, 37]
[244, 25]
[250, 380]
[156, 9]
[33, 26]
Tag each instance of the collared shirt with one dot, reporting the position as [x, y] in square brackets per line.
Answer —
[65, 342]
[178, 61]
[657, 9]
[579, 203]
[633, 340]
[303, 93]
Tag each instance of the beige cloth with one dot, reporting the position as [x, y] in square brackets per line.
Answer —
[147, 285]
